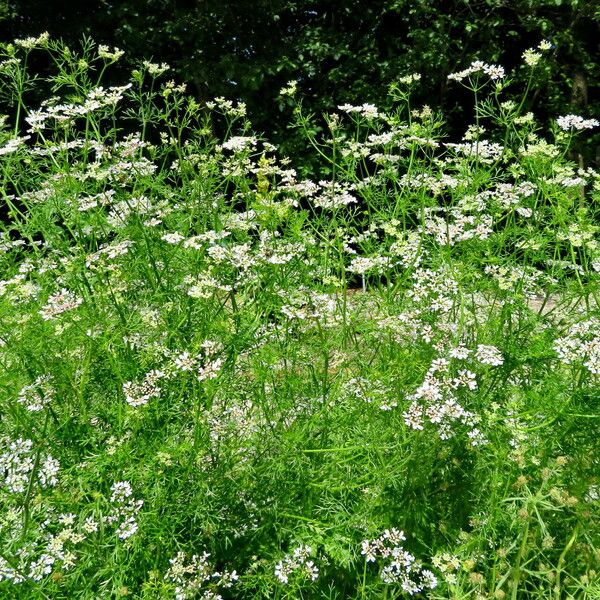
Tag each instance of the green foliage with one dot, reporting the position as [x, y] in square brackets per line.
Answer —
[221, 379]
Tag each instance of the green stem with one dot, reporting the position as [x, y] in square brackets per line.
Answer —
[517, 567]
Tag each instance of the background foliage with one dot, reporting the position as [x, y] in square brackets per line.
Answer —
[338, 50]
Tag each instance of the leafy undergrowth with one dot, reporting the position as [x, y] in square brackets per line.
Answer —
[221, 380]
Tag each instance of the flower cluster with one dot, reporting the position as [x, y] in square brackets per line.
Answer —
[334, 195]
[463, 227]
[436, 401]
[33, 42]
[227, 107]
[124, 510]
[532, 57]
[290, 89]
[38, 394]
[196, 579]
[205, 286]
[410, 79]
[447, 564]
[570, 122]
[56, 551]
[13, 144]
[401, 566]
[484, 150]
[21, 465]
[210, 360]
[316, 308]
[106, 53]
[139, 393]
[581, 345]
[489, 355]
[96, 99]
[369, 264]
[239, 143]
[298, 563]
[51, 550]
[433, 290]
[368, 111]
[34, 562]
[492, 71]
[104, 257]
[59, 303]
[206, 363]
[371, 392]
[155, 69]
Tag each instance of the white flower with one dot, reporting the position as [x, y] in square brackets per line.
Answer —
[489, 355]
[210, 370]
[368, 551]
[531, 57]
[137, 394]
[185, 362]
[197, 578]
[290, 89]
[121, 490]
[492, 71]
[17, 464]
[410, 79]
[48, 470]
[67, 519]
[41, 567]
[460, 352]
[90, 525]
[239, 143]
[369, 111]
[13, 145]
[297, 561]
[403, 568]
[364, 264]
[569, 122]
[37, 395]
[127, 528]
[59, 303]
[172, 238]
[108, 54]
[31, 42]
[156, 70]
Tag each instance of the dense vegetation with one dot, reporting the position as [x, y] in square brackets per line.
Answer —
[223, 379]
